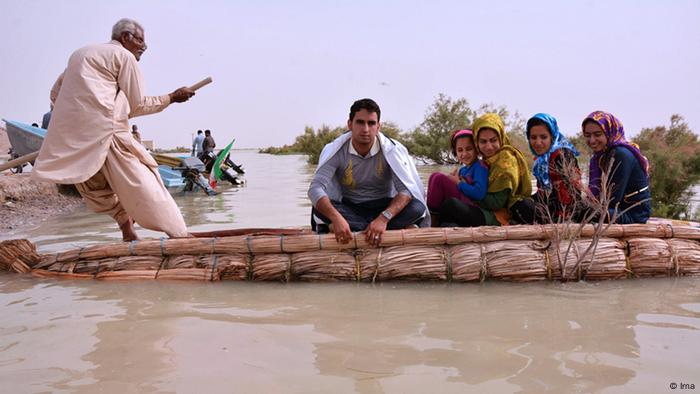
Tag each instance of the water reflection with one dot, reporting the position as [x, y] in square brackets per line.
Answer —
[45, 330]
[151, 336]
[131, 352]
[274, 196]
[89, 336]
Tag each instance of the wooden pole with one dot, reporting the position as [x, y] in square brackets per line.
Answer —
[18, 161]
[202, 83]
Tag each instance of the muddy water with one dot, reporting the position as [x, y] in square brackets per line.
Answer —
[86, 336]
[274, 196]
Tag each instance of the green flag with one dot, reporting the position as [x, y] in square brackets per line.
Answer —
[215, 174]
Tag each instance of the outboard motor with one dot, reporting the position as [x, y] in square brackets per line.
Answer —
[193, 171]
[229, 169]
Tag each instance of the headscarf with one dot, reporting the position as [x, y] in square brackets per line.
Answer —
[507, 168]
[559, 141]
[460, 133]
[615, 133]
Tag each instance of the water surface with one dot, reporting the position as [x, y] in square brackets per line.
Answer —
[151, 336]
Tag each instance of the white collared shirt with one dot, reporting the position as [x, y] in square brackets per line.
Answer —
[376, 147]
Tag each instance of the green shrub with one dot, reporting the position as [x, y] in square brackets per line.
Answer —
[430, 141]
[310, 143]
[313, 140]
[674, 161]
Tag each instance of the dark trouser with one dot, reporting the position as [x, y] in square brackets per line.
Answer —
[456, 212]
[547, 212]
[360, 215]
[523, 211]
[453, 211]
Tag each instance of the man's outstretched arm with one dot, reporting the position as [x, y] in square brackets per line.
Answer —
[130, 81]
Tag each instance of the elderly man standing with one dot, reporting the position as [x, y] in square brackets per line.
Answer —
[88, 142]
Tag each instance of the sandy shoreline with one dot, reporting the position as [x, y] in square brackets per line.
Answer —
[25, 203]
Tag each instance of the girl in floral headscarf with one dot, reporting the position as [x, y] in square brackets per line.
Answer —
[559, 189]
[509, 185]
[628, 176]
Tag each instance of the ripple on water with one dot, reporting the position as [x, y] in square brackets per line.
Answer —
[629, 335]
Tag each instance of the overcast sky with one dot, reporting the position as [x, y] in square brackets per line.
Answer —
[280, 65]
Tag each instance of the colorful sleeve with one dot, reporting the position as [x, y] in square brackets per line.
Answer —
[479, 176]
[565, 175]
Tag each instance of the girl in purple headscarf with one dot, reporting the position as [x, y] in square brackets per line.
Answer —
[467, 184]
[628, 180]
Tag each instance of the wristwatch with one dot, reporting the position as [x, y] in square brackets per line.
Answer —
[388, 215]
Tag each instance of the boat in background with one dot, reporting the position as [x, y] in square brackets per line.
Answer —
[186, 172]
[25, 139]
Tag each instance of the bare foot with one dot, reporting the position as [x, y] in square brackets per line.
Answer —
[128, 232]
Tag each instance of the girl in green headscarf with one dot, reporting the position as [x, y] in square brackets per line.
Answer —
[510, 186]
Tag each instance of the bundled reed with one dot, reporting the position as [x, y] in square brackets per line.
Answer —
[18, 255]
[466, 263]
[283, 243]
[322, 266]
[228, 266]
[608, 261]
[516, 253]
[519, 261]
[271, 267]
[412, 263]
[685, 256]
[650, 257]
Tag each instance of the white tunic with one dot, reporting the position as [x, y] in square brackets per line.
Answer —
[94, 98]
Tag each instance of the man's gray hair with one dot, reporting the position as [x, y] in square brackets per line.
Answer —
[125, 25]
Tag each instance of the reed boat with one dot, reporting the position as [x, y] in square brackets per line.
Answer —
[513, 253]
